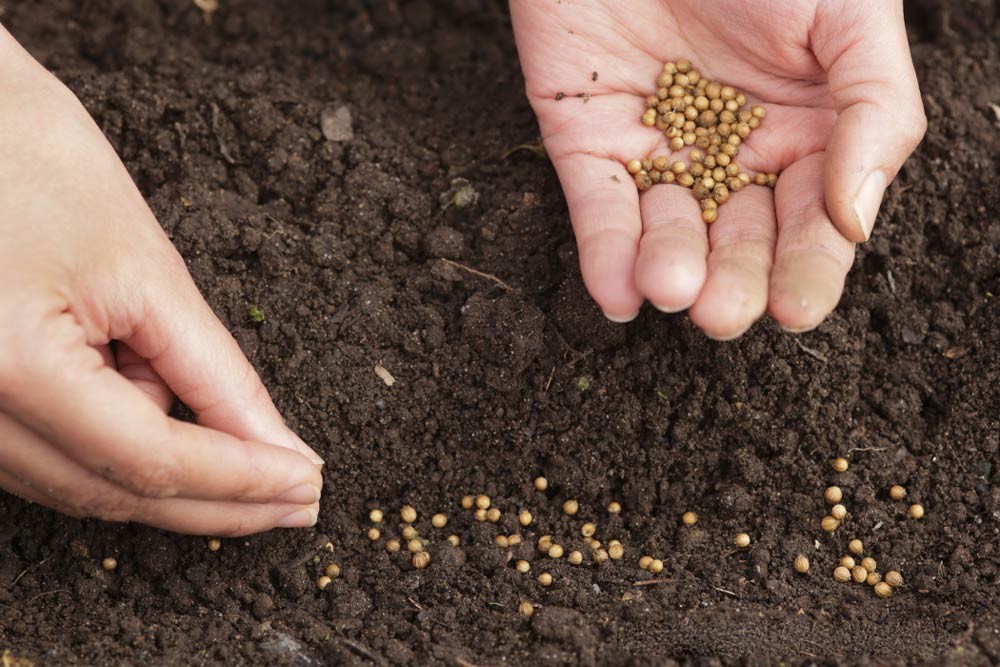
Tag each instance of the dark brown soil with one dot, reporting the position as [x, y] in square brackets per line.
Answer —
[340, 243]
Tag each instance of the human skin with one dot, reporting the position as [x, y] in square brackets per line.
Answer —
[843, 114]
[83, 422]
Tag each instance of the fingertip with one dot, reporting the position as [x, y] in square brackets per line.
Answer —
[804, 292]
[671, 269]
[305, 449]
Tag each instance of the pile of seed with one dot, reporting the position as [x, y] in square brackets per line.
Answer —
[712, 117]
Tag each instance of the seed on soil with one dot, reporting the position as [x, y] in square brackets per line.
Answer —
[848, 562]
[328, 546]
[526, 609]
[575, 558]
[524, 518]
[600, 556]
[454, 540]
[839, 464]
[742, 540]
[571, 507]
[588, 529]
[833, 495]
[409, 533]
[493, 515]
[916, 511]
[439, 521]
[374, 534]
[483, 501]
[468, 502]
[214, 544]
[545, 543]
[392, 546]
[109, 564]
[615, 550]
[514, 540]
[501, 541]
[479, 515]
[801, 564]
[332, 570]
[829, 524]
[897, 492]
[883, 590]
[842, 574]
[415, 546]
[595, 544]
[856, 547]
[859, 574]
[869, 563]
[555, 551]
[545, 579]
[421, 560]
[893, 578]
[522, 566]
[656, 566]
[614, 507]
[375, 516]
[873, 578]
[838, 512]
[689, 518]
[408, 514]
[644, 562]
[323, 582]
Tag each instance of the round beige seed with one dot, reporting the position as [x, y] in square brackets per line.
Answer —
[332, 570]
[838, 512]
[439, 521]
[214, 544]
[883, 590]
[873, 578]
[540, 482]
[893, 578]
[544, 543]
[614, 507]
[742, 540]
[526, 609]
[392, 546]
[848, 562]
[514, 540]
[916, 511]
[801, 564]
[545, 579]
[523, 566]
[859, 574]
[571, 507]
[555, 551]
[524, 518]
[656, 566]
[842, 574]
[897, 492]
[454, 540]
[375, 516]
[421, 560]
[600, 556]
[833, 495]
[615, 550]
[409, 532]
[839, 464]
[644, 562]
[323, 582]
[408, 514]
[482, 501]
[689, 518]
[501, 541]
[374, 534]
[588, 529]
[575, 558]
[829, 524]
[469, 501]
[856, 547]
[869, 564]
[493, 515]
[109, 564]
[415, 546]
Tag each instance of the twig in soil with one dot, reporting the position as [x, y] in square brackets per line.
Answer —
[425, 610]
[811, 352]
[723, 590]
[488, 276]
[218, 137]
[548, 384]
[651, 582]
[866, 449]
[363, 651]
[25, 571]
[465, 663]
[53, 592]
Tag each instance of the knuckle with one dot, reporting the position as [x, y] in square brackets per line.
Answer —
[152, 478]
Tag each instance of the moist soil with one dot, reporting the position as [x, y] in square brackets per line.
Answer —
[329, 221]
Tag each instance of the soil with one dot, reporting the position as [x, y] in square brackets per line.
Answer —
[342, 243]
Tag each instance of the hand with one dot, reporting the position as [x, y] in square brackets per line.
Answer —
[843, 113]
[83, 421]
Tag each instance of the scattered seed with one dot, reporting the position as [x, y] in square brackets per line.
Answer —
[555, 551]
[454, 540]
[614, 507]
[526, 609]
[468, 502]
[408, 514]
[838, 512]
[848, 562]
[544, 543]
[409, 533]
[214, 544]
[656, 566]
[689, 518]
[109, 564]
[600, 556]
[916, 511]
[869, 563]
[839, 464]
[873, 578]
[856, 547]
[571, 507]
[897, 492]
[829, 524]
[392, 546]
[328, 546]
[421, 560]
[493, 515]
[842, 574]
[479, 514]
[439, 520]
[483, 501]
[615, 550]
[524, 518]
[742, 540]
[332, 570]
[588, 529]
[801, 564]
[514, 540]
[575, 558]
[522, 566]
[893, 578]
[595, 544]
[833, 495]
[883, 590]
[323, 582]
[374, 534]
[644, 562]
[415, 546]
[545, 579]
[501, 541]
[859, 574]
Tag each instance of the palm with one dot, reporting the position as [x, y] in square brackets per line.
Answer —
[723, 273]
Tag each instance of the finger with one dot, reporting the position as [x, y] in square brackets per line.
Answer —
[671, 267]
[143, 376]
[880, 116]
[739, 265]
[811, 257]
[105, 423]
[41, 473]
[604, 209]
[107, 355]
[201, 362]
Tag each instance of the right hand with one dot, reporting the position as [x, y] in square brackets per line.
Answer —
[102, 328]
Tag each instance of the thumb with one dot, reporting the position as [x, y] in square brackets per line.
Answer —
[201, 362]
[880, 117]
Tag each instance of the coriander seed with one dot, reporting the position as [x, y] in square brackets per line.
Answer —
[524, 518]
[483, 501]
[409, 532]
[375, 516]
[801, 564]
[575, 558]
[109, 564]
[856, 547]
[614, 507]
[392, 546]
[415, 546]
[214, 544]
[374, 534]
[501, 541]
[600, 556]
[833, 495]
[493, 515]
[842, 574]
[332, 570]
[555, 551]
[873, 578]
[323, 582]
[588, 529]
[571, 507]
[615, 550]
[454, 540]
[522, 566]
[544, 543]
[469, 501]
[859, 574]
[848, 562]
[644, 562]
[408, 514]
[421, 560]
[916, 511]
[893, 578]
[689, 518]
[656, 566]
[839, 464]
[883, 590]
[869, 563]
[742, 540]
[526, 609]
[829, 524]
[838, 512]
[439, 520]
[897, 492]
[545, 579]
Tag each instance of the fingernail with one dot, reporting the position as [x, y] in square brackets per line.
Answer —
[671, 311]
[307, 494]
[306, 450]
[622, 320]
[869, 199]
[303, 518]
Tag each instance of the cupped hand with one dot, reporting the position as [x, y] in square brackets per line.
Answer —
[843, 113]
[102, 328]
